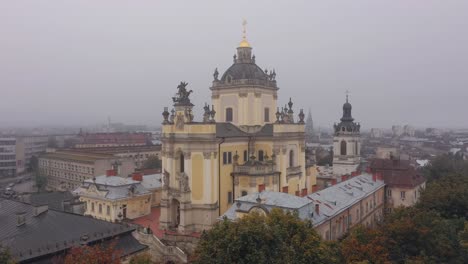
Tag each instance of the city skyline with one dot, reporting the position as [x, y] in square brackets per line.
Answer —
[406, 68]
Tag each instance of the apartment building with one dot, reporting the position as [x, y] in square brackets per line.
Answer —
[65, 170]
[16, 153]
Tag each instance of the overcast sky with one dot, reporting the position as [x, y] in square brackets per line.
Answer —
[78, 62]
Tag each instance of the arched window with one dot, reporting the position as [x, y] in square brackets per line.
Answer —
[229, 114]
[291, 158]
[357, 148]
[246, 157]
[182, 162]
[260, 155]
[343, 148]
[266, 114]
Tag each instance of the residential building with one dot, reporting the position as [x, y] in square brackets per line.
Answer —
[118, 139]
[16, 153]
[403, 182]
[66, 170]
[113, 198]
[332, 211]
[37, 234]
[139, 154]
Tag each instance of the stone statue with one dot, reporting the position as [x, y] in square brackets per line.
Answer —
[206, 113]
[182, 96]
[216, 74]
[184, 183]
[165, 178]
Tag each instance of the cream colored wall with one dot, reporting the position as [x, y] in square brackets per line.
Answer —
[136, 207]
[248, 105]
[412, 195]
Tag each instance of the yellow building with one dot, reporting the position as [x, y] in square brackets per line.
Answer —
[246, 142]
[114, 198]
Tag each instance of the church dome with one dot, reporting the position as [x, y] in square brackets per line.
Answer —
[239, 71]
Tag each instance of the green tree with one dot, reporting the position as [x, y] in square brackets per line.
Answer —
[444, 165]
[141, 259]
[277, 237]
[41, 180]
[419, 235]
[447, 195]
[153, 162]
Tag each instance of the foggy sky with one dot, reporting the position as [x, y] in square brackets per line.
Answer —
[78, 62]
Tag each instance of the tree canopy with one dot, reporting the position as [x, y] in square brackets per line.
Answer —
[278, 237]
[153, 162]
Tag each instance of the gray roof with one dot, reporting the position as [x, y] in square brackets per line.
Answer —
[115, 187]
[51, 231]
[227, 130]
[240, 71]
[151, 182]
[332, 200]
[53, 199]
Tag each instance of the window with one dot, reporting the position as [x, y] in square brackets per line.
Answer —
[291, 158]
[389, 193]
[244, 193]
[246, 156]
[350, 220]
[108, 210]
[227, 157]
[356, 149]
[343, 148]
[266, 116]
[403, 195]
[100, 208]
[92, 207]
[229, 197]
[229, 114]
[260, 155]
[182, 162]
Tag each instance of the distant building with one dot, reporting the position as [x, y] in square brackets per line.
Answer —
[113, 198]
[376, 133]
[387, 152]
[403, 182]
[118, 139]
[397, 131]
[37, 234]
[16, 153]
[409, 130]
[332, 211]
[66, 170]
[139, 154]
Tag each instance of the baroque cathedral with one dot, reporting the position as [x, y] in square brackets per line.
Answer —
[245, 143]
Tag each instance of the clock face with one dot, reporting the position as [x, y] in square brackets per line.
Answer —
[257, 210]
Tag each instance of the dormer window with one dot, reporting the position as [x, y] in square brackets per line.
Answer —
[229, 79]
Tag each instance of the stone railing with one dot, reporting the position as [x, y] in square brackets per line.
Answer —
[254, 170]
[159, 251]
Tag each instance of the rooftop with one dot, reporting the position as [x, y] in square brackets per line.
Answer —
[77, 156]
[51, 231]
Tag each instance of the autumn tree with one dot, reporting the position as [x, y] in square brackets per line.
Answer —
[365, 245]
[276, 237]
[5, 256]
[141, 259]
[96, 254]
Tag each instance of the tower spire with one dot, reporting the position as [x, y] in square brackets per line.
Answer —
[347, 94]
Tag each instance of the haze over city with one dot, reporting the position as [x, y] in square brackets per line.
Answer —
[76, 63]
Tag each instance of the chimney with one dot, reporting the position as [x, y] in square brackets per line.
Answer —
[39, 209]
[111, 173]
[137, 176]
[317, 209]
[20, 218]
[374, 177]
[333, 182]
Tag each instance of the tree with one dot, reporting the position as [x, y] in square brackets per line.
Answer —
[153, 162]
[41, 180]
[365, 245]
[447, 195]
[419, 235]
[97, 254]
[141, 259]
[444, 165]
[276, 237]
[5, 256]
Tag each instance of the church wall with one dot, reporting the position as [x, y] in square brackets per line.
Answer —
[197, 178]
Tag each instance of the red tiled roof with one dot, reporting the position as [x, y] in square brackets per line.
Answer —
[152, 221]
[397, 173]
[121, 138]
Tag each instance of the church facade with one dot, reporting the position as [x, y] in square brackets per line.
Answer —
[245, 143]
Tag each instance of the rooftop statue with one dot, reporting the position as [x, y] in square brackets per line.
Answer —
[182, 96]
